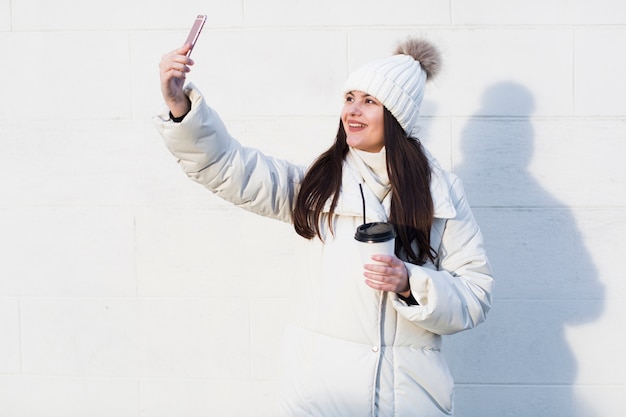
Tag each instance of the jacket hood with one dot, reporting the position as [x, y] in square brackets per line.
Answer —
[440, 186]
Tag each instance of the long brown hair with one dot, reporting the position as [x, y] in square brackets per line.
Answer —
[411, 209]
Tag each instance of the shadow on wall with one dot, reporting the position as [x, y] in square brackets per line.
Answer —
[519, 362]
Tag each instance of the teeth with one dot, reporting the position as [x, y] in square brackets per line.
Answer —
[356, 125]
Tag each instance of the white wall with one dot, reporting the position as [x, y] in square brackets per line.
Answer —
[127, 290]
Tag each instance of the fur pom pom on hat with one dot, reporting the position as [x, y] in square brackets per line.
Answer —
[398, 81]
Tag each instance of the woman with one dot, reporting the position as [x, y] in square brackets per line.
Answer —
[366, 339]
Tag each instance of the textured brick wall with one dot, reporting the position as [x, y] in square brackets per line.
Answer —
[126, 290]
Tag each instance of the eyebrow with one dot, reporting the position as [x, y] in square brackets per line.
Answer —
[366, 95]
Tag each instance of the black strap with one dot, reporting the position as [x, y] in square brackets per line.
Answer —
[177, 119]
[410, 300]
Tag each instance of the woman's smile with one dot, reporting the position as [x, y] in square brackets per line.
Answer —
[355, 126]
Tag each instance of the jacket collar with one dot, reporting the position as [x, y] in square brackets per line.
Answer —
[350, 201]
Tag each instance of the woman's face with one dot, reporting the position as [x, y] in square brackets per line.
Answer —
[362, 118]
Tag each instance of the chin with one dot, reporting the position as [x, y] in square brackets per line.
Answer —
[352, 143]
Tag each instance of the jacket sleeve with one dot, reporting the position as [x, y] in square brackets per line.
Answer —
[210, 156]
[456, 296]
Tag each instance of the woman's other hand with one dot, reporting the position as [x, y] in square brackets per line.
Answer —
[390, 275]
[173, 69]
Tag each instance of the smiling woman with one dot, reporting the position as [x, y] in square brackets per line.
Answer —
[365, 339]
[362, 118]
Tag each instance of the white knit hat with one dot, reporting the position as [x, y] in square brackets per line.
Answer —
[398, 81]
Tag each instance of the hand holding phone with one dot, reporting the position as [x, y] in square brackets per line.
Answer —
[194, 33]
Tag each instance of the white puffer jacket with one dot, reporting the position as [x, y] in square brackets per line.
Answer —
[352, 351]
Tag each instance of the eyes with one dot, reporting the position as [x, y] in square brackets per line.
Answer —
[365, 98]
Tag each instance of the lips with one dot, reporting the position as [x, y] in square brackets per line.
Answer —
[355, 126]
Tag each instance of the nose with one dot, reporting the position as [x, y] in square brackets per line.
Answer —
[353, 108]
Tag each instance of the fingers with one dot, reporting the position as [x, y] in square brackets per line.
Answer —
[388, 259]
[390, 274]
[173, 69]
[176, 63]
[184, 50]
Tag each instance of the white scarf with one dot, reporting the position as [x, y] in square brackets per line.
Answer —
[373, 168]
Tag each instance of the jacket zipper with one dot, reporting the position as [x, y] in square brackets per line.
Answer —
[378, 349]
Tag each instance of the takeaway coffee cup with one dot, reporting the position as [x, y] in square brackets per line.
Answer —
[375, 238]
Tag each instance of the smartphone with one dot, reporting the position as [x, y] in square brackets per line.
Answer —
[194, 33]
